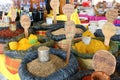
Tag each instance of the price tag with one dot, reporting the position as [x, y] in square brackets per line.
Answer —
[104, 61]
[111, 15]
[108, 30]
[70, 29]
[68, 10]
[69, 32]
[25, 22]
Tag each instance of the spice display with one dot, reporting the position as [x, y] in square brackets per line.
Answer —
[88, 34]
[40, 69]
[62, 31]
[24, 43]
[94, 46]
[7, 33]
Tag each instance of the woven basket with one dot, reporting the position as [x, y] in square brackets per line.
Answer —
[85, 60]
[115, 38]
[61, 74]
[44, 41]
[41, 29]
[83, 73]
[13, 57]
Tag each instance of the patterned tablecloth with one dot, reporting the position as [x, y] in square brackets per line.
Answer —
[4, 70]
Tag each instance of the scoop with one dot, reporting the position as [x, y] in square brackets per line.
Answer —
[55, 6]
[68, 10]
[108, 30]
[25, 22]
[70, 33]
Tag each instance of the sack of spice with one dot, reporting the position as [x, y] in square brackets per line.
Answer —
[116, 37]
[61, 74]
[41, 27]
[19, 48]
[86, 75]
[58, 34]
[84, 52]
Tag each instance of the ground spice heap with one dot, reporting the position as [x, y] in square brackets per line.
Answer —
[62, 31]
[43, 69]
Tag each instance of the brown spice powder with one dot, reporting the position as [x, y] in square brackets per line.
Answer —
[62, 31]
[43, 69]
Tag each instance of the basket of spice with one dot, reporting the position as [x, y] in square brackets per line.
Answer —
[115, 38]
[86, 75]
[85, 48]
[41, 27]
[47, 68]
[104, 65]
[58, 35]
[16, 50]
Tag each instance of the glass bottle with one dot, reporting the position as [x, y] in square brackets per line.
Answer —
[41, 11]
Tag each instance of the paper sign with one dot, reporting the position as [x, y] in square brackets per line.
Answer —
[108, 30]
[25, 22]
[111, 15]
[104, 61]
[68, 10]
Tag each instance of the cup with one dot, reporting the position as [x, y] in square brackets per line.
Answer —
[86, 40]
[43, 54]
[49, 20]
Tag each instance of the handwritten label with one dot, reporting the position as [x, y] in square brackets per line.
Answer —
[70, 29]
[111, 15]
[104, 61]
[54, 4]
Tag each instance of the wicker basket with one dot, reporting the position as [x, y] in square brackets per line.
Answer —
[13, 57]
[85, 60]
[61, 74]
[83, 73]
[41, 28]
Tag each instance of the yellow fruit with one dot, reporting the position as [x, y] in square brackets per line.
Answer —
[13, 45]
